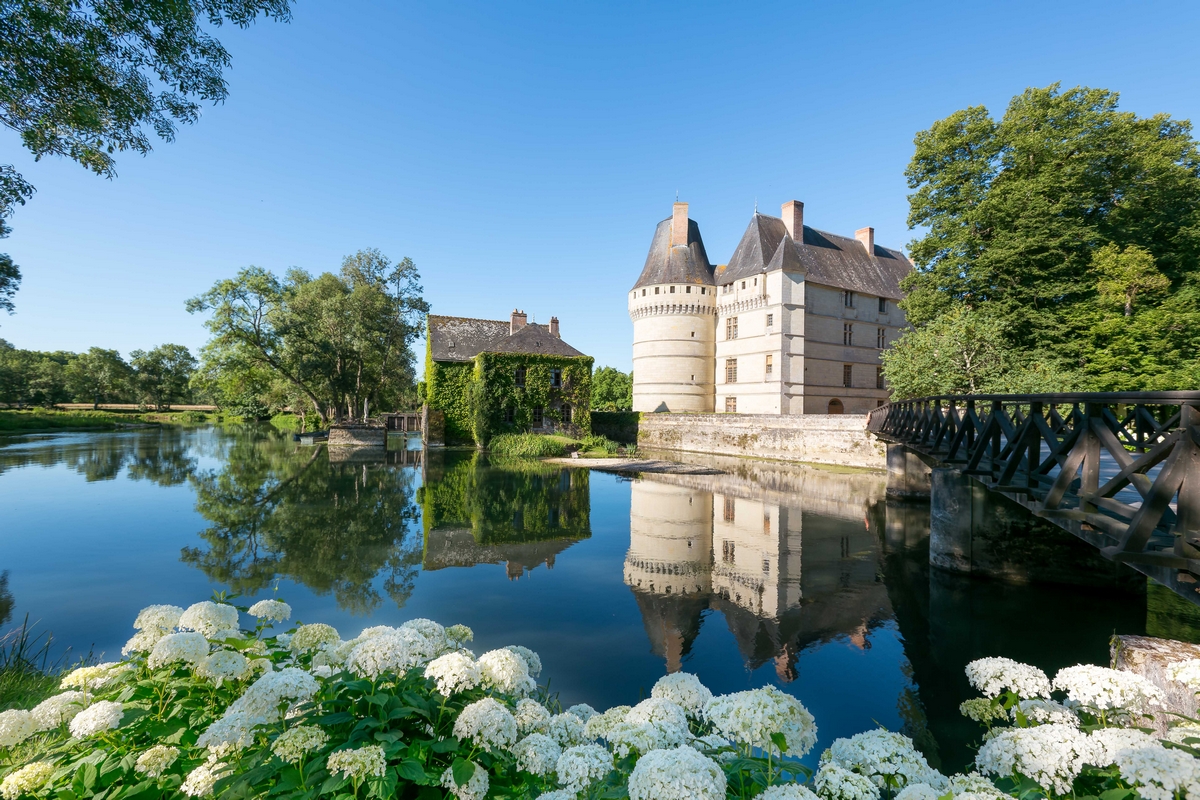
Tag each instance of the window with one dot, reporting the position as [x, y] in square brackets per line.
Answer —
[693, 334]
[770, 320]
[689, 290]
[727, 550]
[883, 305]
[519, 377]
[656, 290]
[703, 290]
[847, 333]
[556, 378]
[881, 338]
[643, 292]
[847, 375]
[566, 413]
[770, 363]
[672, 290]
[509, 414]
[538, 419]
[879, 377]
[756, 281]
[727, 513]
[848, 299]
[730, 405]
[731, 370]
[836, 407]
[731, 328]
[743, 284]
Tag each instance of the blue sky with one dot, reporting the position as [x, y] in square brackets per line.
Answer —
[522, 153]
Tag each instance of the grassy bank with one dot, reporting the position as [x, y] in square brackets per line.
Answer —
[43, 420]
[28, 674]
[535, 445]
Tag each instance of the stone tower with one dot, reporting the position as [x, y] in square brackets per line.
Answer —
[673, 306]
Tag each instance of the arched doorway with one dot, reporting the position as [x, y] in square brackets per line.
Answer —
[836, 407]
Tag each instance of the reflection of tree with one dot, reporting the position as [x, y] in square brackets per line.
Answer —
[6, 600]
[162, 456]
[333, 527]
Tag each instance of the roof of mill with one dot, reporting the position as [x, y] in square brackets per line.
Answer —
[826, 258]
[463, 338]
[679, 264]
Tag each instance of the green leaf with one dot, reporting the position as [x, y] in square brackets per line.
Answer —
[412, 770]
[447, 745]
[780, 741]
[1116, 794]
[462, 770]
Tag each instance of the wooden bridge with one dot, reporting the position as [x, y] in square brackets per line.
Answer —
[1120, 470]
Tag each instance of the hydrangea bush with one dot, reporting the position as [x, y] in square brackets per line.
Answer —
[203, 707]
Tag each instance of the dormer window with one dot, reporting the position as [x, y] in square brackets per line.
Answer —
[519, 377]
[556, 378]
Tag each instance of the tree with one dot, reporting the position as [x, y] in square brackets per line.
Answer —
[83, 79]
[163, 373]
[98, 376]
[1125, 273]
[612, 390]
[1015, 213]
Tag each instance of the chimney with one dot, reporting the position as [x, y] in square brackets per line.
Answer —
[517, 322]
[554, 327]
[867, 237]
[679, 225]
[793, 220]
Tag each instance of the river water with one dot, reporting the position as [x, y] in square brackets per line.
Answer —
[799, 577]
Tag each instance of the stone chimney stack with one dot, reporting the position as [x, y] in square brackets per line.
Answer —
[867, 237]
[793, 220]
[517, 322]
[554, 327]
[679, 225]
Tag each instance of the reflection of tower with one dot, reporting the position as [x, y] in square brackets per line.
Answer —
[669, 563]
[756, 549]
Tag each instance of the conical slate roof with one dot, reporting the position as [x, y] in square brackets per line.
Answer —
[678, 264]
[828, 259]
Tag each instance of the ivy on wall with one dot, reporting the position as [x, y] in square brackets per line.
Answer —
[446, 386]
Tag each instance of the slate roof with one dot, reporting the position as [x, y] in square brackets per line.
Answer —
[825, 258]
[679, 264]
[463, 338]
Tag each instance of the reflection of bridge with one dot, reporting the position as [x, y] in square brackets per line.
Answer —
[1120, 471]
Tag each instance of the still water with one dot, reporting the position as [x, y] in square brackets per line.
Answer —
[799, 577]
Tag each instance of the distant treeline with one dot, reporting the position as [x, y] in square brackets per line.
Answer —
[154, 378]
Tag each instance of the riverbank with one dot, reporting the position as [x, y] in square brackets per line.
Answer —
[43, 420]
[635, 465]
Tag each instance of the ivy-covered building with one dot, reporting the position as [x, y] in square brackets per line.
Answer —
[491, 376]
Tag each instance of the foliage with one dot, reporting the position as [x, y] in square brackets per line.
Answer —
[28, 673]
[329, 343]
[41, 419]
[528, 445]
[1034, 219]
[447, 384]
[102, 375]
[612, 390]
[163, 374]
[620, 426]
[602, 444]
[502, 395]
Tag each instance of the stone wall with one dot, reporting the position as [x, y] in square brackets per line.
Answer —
[357, 436]
[839, 440]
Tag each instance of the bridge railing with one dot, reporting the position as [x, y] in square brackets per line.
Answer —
[1123, 465]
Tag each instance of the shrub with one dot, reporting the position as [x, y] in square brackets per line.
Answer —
[529, 445]
[596, 442]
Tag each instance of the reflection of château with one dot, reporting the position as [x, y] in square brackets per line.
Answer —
[734, 544]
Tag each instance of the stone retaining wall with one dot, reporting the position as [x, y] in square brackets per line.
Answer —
[835, 439]
[357, 436]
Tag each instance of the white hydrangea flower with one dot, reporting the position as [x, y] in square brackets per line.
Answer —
[684, 690]
[794, 791]
[431, 631]
[322, 671]
[93, 677]
[918, 791]
[234, 728]
[199, 782]
[975, 785]
[626, 737]
[16, 725]
[1107, 742]
[982, 710]
[537, 754]
[583, 711]
[599, 726]
[209, 618]
[390, 652]
[678, 774]
[224, 665]
[1043, 711]
[532, 716]
[365, 762]
[533, 662]
[1159, 773]
[295, 744]
[583, 765]
[142, 642]
[459, 635]
[162, 618]
[1181, 733]
[834, 782]
[474, 789]
[567, 730]
[271, 610]
[506, 672]
[104, 715]
[558, 794]
[454, 672]
[1186, 672]
[59, 709]
[1107, 689]
[887, 758]
[657, 709]
[259, 705]
[1052, 755]
[310, 638]
[750, 717]
[29, 779]
[283, 640]
[993, 676]
[488, 724]
[157, 760]
[190, 648]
